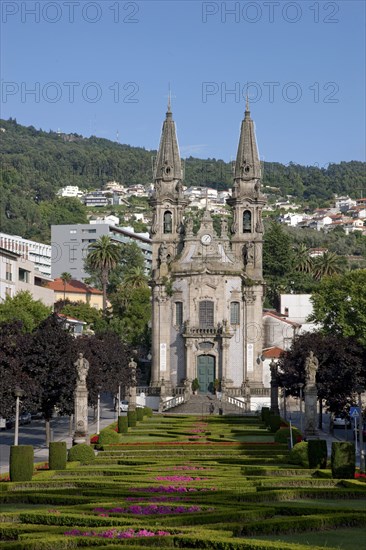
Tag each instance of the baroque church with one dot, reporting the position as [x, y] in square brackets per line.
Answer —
[207, 286]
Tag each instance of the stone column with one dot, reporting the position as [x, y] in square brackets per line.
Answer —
[132, 391]
[311, 395]
[274, 388]
[81, 402]
[155, 329]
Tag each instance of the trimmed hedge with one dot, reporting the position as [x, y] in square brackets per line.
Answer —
[82, 453]
[108, 437]
[283, 435]
[21, 462]
[343, 460]
[317, 453]
[265, 414]
[274, 422]
[122, 424]
[299, 454]
[139, 414]
[131, 419]
[148, 412]
[57, 455]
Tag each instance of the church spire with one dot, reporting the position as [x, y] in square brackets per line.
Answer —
[168, 164]
[247, 166]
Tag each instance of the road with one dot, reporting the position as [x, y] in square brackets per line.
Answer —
[35, 434]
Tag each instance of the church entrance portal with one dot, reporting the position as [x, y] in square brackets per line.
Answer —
[206, 372]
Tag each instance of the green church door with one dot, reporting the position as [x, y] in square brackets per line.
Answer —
[206, 372]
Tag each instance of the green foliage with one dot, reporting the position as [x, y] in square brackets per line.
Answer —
[277, 252]
[108, 436]
[57, 455]
[317, 453]
[22, 307]
[265, 414]
[299, 454]
[21, 462]
[283, 435]
[82, 311]
[103, 256]
[340, 305]
[148, 412]
[122, 424]
[132, 307]
[343, 460]
[139, 414]
[195, 384]
[81, 453]
[274, 422]
[131, 419]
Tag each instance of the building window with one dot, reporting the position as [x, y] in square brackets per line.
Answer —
[206, 314]
[73, 231]
[235, 313]
[8, 273]
[247, 221]
[24, 275]
[179, 313]
[8, 291]
[168, 226]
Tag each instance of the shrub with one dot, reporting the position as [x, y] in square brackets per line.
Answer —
[265, 413]
[317, 453]
[283, 435]
[299, 454]
[122, 424]
[343, 460]
[57, 455]
[21, 462]
[148, 411]
[82, 453]
[139, 414]
[131, 419]
[274, 422]
[108, 437]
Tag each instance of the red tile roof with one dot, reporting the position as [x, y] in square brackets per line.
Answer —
[73, 286]
[284, 319]
[272, 353]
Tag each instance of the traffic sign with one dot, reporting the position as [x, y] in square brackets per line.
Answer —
[354, 412]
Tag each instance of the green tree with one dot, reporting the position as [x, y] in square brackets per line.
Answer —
[104, 256]
[277, 252]
[65, 278]
[302, 260]
[339, 304]
[22, 307]
[79, 310]
[328, 264]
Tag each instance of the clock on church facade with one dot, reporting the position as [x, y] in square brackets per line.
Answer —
[207, 289]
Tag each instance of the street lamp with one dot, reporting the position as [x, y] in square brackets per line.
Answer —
[18, 394]
[284, 403]
[98, 410]
[300, 388]
[359, 390]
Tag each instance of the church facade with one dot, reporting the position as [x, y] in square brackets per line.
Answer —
[207, 285]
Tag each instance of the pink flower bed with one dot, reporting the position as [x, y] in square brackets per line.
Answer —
[171, 489]
[179, 479]
[149, 509]
[114, 534]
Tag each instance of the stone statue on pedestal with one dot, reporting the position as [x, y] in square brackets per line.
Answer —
[81, 401]
[274, 387]
[132, 365]
[311, 395]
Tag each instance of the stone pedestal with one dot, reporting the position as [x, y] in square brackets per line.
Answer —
[132, 398]
[311, 397]
[81, 415]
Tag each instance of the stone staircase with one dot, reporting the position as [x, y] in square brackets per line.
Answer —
[200, 405]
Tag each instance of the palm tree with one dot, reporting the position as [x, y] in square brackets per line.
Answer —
[104, 256]
[303, 261]
[327, 265]
[65, 278]
[135, 278]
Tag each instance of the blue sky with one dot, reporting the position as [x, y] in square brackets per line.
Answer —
[102, 67]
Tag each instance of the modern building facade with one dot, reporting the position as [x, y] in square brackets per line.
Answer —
[70, 246]
[207, 286]
[38, 253]
[19, 274]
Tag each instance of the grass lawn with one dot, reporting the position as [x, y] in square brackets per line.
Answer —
[345, 539]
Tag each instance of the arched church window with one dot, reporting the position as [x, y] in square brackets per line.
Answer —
[235, 313]
[168, 225]
[206, 314]
[247, 221]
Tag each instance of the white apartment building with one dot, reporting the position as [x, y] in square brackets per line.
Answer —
[38, 253]
[70, 191]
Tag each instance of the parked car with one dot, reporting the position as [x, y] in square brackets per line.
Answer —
[340, 422]
[25, 418]
[123, 405]
[10, 423]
